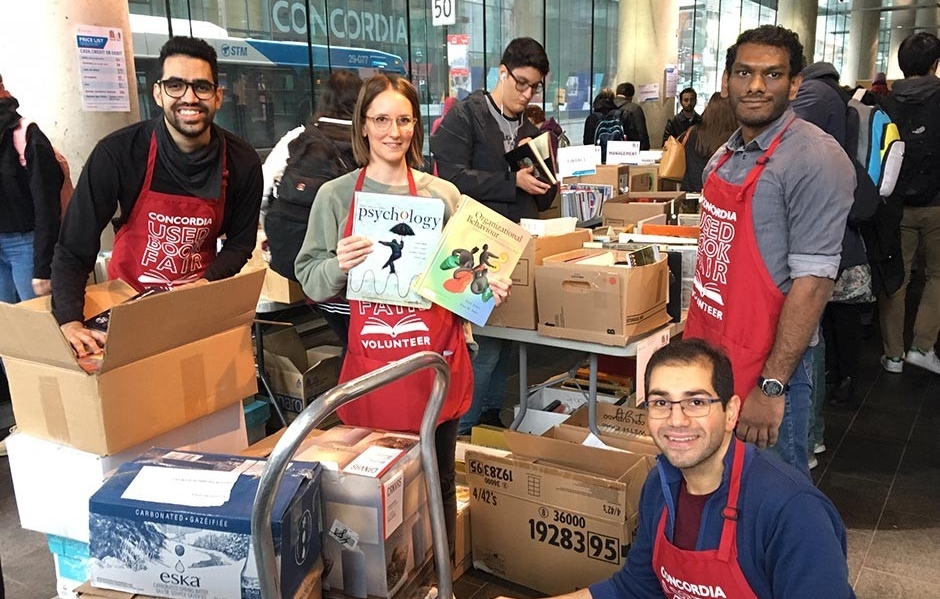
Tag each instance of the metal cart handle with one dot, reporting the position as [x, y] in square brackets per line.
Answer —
[262, 541]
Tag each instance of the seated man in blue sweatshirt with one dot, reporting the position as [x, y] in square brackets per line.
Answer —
[718, 518]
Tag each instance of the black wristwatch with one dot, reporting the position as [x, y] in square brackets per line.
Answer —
[772, 387]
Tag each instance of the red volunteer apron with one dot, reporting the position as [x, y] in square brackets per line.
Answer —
[381, 333]
[705, 574]
[168, 239]
[735, 303]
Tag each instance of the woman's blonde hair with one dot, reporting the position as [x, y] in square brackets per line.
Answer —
[372, 87]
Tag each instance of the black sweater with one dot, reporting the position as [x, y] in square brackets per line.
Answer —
[112, 179]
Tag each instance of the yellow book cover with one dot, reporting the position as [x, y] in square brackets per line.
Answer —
[477, 242]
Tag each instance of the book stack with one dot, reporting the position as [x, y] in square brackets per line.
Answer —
[584, 201]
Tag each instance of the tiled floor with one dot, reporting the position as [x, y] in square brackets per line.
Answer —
[882, 471]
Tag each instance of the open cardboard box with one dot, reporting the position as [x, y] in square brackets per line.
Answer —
[170, 359]
[521, 312]
[626, 209]
[523, 506]
[610, 305]
[299, 375]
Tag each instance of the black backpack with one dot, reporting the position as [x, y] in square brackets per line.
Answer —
[314, 160]
[919, 125]
[610, 128]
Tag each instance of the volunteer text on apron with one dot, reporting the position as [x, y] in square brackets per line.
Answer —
[168, 239]
[381, 333]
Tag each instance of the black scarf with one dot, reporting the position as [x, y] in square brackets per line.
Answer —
[199, 172]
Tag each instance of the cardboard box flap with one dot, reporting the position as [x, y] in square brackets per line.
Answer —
[30, 333]
[286, 348]
[161, 322]
[582, 458]
[86, 591]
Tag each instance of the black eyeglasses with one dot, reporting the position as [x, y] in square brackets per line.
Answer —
[658, 408]
[176, 87]
[522, 85]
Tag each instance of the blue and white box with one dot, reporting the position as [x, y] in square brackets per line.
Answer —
[178, 524]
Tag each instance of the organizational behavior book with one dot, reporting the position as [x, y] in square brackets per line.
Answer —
[404, 231]
[476, 243]
[536, 152]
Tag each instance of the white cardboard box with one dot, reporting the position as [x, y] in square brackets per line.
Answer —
[53, 482]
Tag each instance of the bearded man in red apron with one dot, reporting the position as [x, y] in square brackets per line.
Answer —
[718, 518]
[177, 182]
[774, 207]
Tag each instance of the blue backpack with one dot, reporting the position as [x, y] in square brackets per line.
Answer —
[875, 142]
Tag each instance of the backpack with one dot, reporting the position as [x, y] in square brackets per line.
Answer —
[610, 128]
[65, 192]
[314, 160]
[919, 124]
[874, 141]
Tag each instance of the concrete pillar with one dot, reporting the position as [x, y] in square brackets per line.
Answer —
[862, 51]
[648, 42]
[800, 16]
[40, 69]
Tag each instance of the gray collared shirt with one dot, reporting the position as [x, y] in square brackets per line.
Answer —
[801, 201]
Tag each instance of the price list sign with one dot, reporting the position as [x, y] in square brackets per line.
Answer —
[102, 69]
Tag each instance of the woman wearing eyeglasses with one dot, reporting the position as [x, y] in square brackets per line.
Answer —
[387, 140]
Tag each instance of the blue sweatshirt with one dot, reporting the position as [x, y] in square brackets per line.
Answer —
[791, 540]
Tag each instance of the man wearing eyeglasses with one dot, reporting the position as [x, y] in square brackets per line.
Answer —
[718, 518]
[177, 182]
[468, 149]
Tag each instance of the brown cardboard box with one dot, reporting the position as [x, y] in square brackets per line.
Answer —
[622, 177]
[463, 549]
[576, 434]
[618, 421]
[170, 358]
[281, 289]
[520, 312]
[553, 516]
[609, 305]
[623, 210]
[298, 375]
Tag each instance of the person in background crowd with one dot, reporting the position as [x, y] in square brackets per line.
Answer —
[602, 107]
[536, 116]
[631, 114]
[916, 99]
[774, 207]
[321, 153]
[449, 102]
[685, 118]
[468, 149]
[717, 517]
[821, 102]
[879, 86]
[30, 180]
[705, 138]
[272, 169]
[387, 141]
[178, 167]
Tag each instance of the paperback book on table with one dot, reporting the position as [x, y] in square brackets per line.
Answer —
[477, 243]
[404, 231]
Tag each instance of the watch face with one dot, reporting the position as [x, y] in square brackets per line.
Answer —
[772, 387]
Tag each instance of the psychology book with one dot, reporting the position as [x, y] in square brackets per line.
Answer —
[477, 243]
[404, 231]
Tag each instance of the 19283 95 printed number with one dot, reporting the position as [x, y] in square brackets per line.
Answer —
[594, 545]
